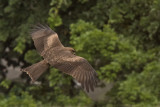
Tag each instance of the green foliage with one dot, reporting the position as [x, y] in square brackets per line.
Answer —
[94, 42]
[142, 88]
[119, 38]
[5, 84]
[32, 56]
[79, 101]
[12, 100]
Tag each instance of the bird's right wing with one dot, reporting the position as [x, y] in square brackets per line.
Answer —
[80, 69]
[44, 38]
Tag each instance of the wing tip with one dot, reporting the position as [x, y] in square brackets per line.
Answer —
[93, 82]
[40, 27]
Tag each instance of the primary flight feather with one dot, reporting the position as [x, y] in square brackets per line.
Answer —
[63, 58]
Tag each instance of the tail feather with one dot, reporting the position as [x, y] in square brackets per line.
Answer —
[36, 70]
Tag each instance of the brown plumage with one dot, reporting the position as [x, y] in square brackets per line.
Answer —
[63, 58]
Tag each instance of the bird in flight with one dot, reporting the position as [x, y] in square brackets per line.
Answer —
[62, 58]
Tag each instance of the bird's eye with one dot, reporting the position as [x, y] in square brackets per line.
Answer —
[74, 52]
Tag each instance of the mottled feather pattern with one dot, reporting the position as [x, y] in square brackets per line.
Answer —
[55, 54]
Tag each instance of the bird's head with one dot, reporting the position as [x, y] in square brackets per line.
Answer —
[71, 50]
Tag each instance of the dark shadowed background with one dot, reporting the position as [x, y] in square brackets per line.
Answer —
[120, 38]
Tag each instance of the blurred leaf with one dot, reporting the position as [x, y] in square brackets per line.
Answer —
[32, 56]
[5, 83]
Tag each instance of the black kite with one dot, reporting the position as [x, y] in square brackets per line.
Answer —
[63, 58]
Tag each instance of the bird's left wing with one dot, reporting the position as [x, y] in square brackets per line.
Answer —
[44, 38]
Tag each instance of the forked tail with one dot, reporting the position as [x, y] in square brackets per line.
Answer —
[36, 70]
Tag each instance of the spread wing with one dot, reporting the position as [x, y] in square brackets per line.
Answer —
[44, 38]
[80, 69]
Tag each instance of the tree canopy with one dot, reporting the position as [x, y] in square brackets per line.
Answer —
[121, 39]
